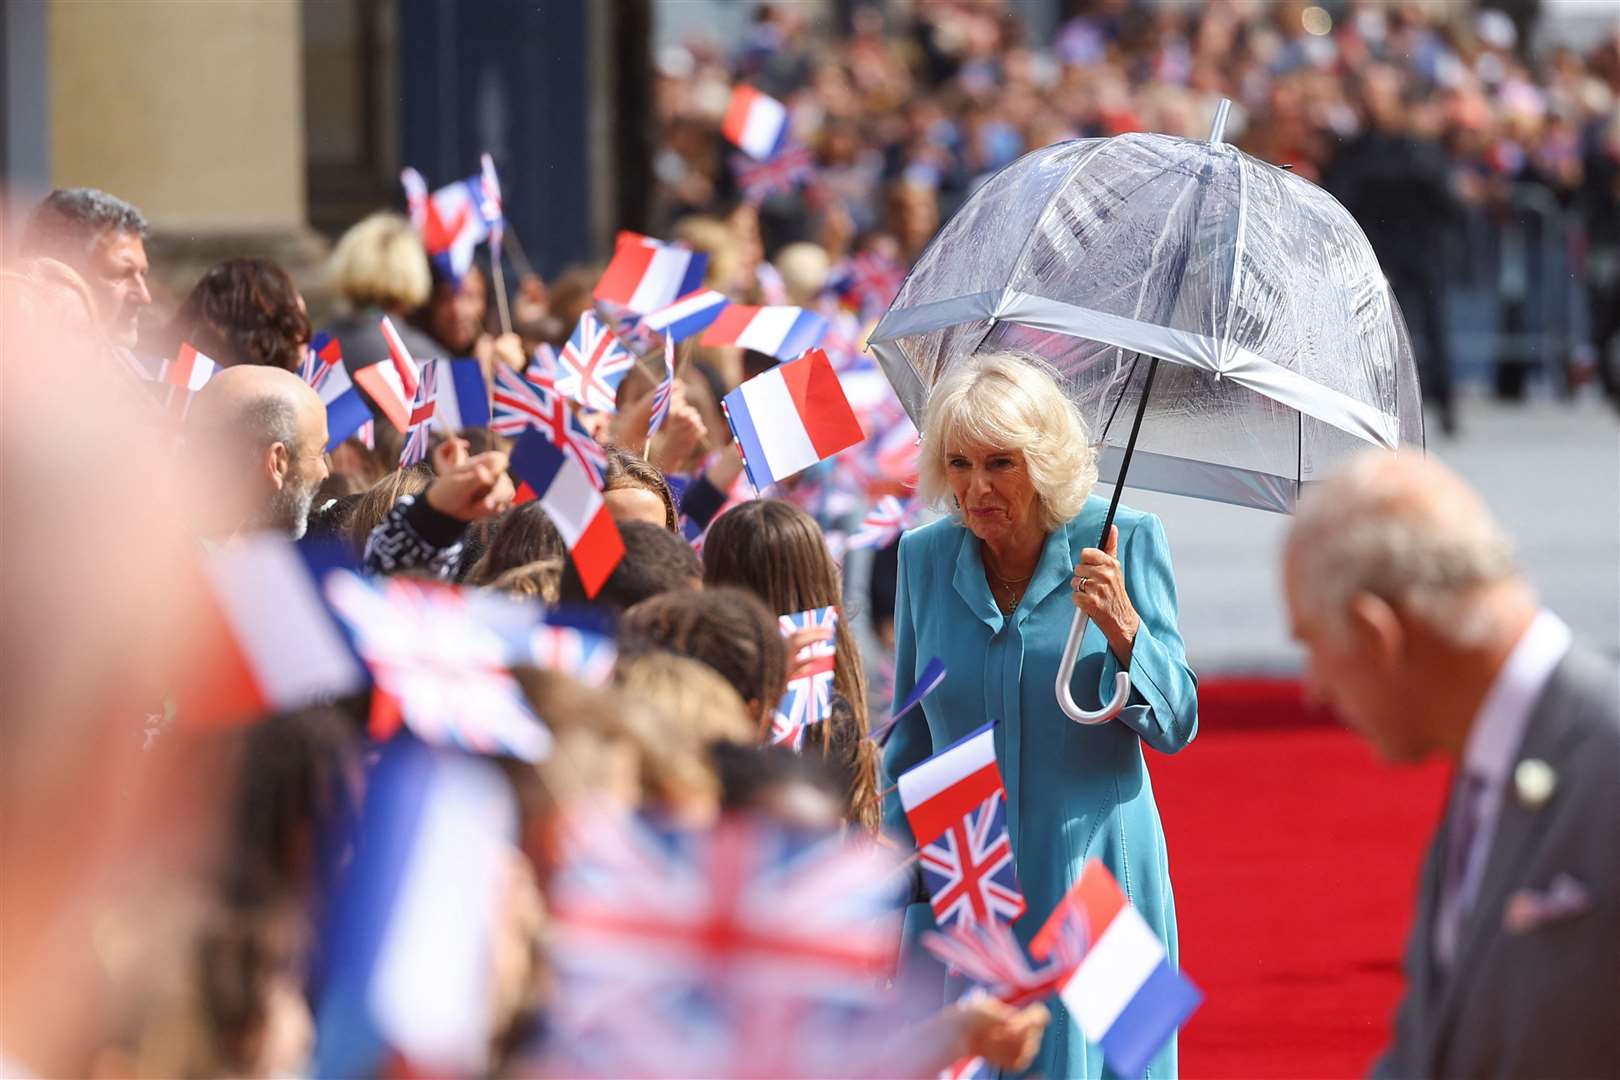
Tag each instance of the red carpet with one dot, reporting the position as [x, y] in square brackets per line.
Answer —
[1294, 854]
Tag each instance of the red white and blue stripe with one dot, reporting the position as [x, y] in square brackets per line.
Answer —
[646, 274]
[274, 644]
[442, 666]
[323, 351]
[346, 410]
[883, 522]
[808, 698]
[1126, 996]
[415, 447]
[522, 403]
[755, 123]
[933, 673]
[489, 202]
[574, 504]
[462, 396]
[688, 315]
[392, 383]
[790, 417]
[955, 804]
[782, 332]
[593, 363]
[452, 221]
[186, 374]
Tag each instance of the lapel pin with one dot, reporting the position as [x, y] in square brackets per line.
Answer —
[1534, 781]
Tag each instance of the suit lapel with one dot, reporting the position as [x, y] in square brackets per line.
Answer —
[1547, 737]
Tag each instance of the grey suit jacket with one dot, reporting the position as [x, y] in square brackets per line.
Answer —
[1535, 992]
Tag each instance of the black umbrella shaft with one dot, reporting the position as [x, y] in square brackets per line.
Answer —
[1130, 449]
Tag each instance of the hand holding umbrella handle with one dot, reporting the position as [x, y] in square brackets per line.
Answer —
[1071, 653]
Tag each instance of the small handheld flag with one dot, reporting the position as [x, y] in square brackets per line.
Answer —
[453, 220]
[1125, 995]
[593, 363]
[779, 175]
[346, 410]
[755, 123]
[689, 315]
[422, 408]
[646, 274]
[790, 417]
[932, 675]
[278, 645]
[808, 698]
[324, 351]
[574, 505]
[463, 396]
[522, 403]
[883, 522]
[782, 332]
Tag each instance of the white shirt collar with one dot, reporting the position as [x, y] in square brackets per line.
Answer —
[1498, 729]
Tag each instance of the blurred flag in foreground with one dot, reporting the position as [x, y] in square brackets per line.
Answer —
[689, 315]
[790, 417]
[1125, 995]
[408, 945]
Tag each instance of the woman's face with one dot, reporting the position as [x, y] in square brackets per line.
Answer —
[993, 488]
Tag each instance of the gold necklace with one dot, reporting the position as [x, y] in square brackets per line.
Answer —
[1014, 587]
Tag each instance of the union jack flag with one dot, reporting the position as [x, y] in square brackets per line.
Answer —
[416, 435]
[883, 522]
[869, 282]
[991, 956]
[489, 201]
[969, 868]
[578, 653]
[320, 357]
[661, 396]
[808, 698]
[437, 666]
[593, 364]
[759, 180]
[522, 403]
[731, 952]
[543, 367]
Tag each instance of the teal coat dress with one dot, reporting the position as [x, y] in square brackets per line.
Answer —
[1074, 792]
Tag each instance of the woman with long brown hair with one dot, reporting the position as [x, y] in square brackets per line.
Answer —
[777, 551]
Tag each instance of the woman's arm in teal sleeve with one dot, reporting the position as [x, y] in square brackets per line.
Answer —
[1163, 707]
[909, 742]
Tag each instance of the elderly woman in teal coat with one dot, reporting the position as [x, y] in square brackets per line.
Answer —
[991, 591]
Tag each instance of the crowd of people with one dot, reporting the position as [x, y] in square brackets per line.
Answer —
[173, 871]
[1421, 117]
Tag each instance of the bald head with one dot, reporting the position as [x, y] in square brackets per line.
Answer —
[266, 429]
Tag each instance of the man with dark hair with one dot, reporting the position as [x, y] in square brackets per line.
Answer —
[103, 238]
[264, 432]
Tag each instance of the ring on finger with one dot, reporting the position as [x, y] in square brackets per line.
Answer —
[1080, 586]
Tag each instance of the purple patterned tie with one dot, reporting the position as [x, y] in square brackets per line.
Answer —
[1459, 842]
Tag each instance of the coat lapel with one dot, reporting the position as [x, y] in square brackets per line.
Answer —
[971, 585]
[1547, 737]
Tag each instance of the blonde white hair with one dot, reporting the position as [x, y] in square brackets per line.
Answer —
[1011, 401]
[380, 260]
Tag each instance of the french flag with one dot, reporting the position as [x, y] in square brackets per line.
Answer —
[953, 783]
[782, 332]
[275, 643]
[189, 370]
[1125, 995]
[755, 123]
[573, 503]
[646, 275]
[346, 410]
[790, 417]
[688, 315]
[412, 923]
[392, 383]
[463, 397]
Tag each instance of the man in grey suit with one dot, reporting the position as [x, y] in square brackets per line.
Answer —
[1425, 638]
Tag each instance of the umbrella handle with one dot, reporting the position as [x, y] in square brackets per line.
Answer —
[1071, 653]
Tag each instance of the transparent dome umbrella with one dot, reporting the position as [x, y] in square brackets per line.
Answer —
[1222, 324]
